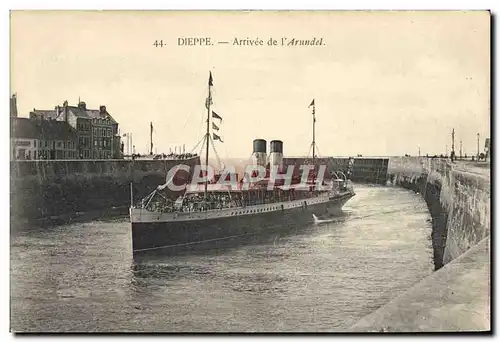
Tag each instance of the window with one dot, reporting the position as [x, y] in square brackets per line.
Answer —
[95, 143]
[34, 143]
[34, 154]
[58, 144]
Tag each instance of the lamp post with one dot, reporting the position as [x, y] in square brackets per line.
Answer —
[452, 144]
[478, 146]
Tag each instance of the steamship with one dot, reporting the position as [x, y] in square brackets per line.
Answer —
[210, 212]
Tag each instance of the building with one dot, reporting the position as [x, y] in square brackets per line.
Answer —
[97, 131]
[42, 139]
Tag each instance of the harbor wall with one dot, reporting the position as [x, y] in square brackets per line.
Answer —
[370, 170]
[49, 189]
[457, 297]
[362, 169]
[458, 200]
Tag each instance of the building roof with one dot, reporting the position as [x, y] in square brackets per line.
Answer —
[38, 113]
[91, 113]
[24, 128]
[80, 111]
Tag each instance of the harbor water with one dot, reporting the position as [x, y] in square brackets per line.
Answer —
[323, 277]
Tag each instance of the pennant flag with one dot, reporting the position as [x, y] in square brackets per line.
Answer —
[210, 80]
[208, 102]
[124, 135]
[312, 103]
[216, 137]
[216, 116]
[214, 126]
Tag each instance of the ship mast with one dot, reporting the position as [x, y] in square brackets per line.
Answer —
[151, 137]
[314, 138]
[208, 103]
[314, 131]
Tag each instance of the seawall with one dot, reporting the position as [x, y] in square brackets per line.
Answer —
[457, 296]
[458, 196]
[53, 189]
[362, 170]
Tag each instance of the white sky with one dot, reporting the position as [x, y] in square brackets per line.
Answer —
[384, 84]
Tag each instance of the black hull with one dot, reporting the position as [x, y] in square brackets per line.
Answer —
[173, 237]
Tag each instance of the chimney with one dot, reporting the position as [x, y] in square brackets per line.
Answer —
[276, 155]
[65, 108]
[259, 152]
[82, 105]
[13, 106]
[102, 109]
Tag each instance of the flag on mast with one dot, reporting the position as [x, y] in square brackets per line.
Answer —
[216, 137]
[312, 103]
[208, 102]
[216, 116]
[214, 126]
[210, 80]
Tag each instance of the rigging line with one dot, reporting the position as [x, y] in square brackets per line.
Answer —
[309, 151]
[189, 116]
[215, 151]
[203, 121]
[199, 141]
[317, 148]
[202, 146]
[187, 120]
[218, 159]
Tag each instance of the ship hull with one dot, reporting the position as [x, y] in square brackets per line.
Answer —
[175, 236]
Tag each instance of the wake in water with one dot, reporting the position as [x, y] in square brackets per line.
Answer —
[318, 221]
